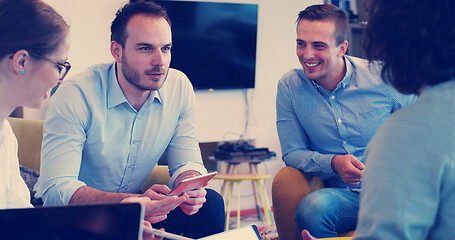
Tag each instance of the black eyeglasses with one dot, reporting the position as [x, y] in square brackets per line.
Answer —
[63, 68]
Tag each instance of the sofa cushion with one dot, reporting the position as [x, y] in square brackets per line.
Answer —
[30, 178]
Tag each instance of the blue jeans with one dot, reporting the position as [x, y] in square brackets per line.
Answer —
[327, 212]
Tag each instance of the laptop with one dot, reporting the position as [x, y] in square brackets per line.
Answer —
[78, 222]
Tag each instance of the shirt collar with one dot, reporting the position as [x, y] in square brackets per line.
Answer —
[115, 94]
[154, 95]
[346, 80]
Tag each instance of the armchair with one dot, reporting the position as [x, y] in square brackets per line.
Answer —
[29, 134]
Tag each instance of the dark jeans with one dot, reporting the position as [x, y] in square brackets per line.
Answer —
[209, 220]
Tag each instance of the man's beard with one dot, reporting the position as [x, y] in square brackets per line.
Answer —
[133, 76]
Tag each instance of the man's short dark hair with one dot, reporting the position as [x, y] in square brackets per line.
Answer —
[415, 41]
[328, 12]
[123, 15]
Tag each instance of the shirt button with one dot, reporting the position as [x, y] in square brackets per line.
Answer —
[345, 142]
[339, 121]
[332, 97]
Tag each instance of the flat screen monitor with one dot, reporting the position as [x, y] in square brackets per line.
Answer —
[214, 43]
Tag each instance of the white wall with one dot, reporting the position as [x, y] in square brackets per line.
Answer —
[220, 113]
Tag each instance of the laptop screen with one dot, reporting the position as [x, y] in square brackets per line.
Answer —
[100, 221]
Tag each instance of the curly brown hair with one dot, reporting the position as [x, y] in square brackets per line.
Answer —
[415, 39]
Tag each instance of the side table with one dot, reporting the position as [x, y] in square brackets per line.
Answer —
[232, 178]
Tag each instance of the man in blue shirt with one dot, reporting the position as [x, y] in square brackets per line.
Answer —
[106, 129]
[326, 114]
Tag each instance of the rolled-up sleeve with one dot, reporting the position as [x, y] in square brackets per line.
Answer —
[63, 142]
[183, 151]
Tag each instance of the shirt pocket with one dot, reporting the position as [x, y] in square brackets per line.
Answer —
[370, 121]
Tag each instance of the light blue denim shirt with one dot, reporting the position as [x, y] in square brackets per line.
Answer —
[314, 124]
[94, 137]
[409, 182]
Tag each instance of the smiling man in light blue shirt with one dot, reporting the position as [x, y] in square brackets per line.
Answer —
[107, 127]
[327, 112]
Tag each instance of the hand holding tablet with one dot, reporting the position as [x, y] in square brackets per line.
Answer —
[191, 183]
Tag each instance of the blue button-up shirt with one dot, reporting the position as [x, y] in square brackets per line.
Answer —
[315, 124]
[94, 137]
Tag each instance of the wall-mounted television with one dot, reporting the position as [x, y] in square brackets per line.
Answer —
[214, 43]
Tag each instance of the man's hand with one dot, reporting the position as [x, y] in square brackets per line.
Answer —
[147, 232]
[185, 175]
[195, 201]
[307, 236]
[349, 168]
[157, 210]
[157, 192]
[196, 197]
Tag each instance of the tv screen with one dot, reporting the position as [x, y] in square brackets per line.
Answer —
[214, 43]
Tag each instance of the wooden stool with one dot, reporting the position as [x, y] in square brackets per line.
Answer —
[237, 178]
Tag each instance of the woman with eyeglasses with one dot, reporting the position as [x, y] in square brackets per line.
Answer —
[34, 45]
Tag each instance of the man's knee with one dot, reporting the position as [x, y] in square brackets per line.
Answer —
[326, 211]
[316, 204]
[214, 204]
[315, 210]
[214, 201]
[212, 213]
